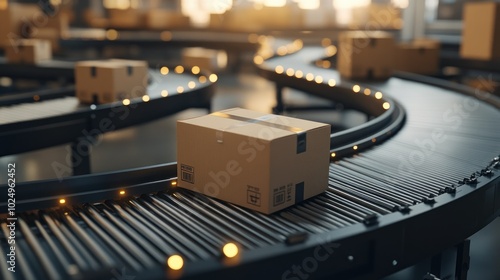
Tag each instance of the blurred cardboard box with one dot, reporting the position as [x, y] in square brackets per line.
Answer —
[420, 56]
[258, 161]
[481, 31]
[206, 59]
[29, 51]
[17, 21]
[105, 81]
[164, 19]
[365, 54]
[265, 18]
[127, 19]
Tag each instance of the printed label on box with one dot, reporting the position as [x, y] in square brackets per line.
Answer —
[253, 196]
[187, 173]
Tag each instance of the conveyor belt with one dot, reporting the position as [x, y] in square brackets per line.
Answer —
[41, 118]
[386, 207]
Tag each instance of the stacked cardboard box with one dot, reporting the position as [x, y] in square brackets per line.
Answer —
[110, 80]
[420, 56]
[365, 54]
[259, 161]
[30, 51]
[17, 21]
[481, 31]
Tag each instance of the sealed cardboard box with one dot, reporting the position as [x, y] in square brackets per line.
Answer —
[365, 54]
[259, 161]
[420, 56]
[206, 59]
[29, 51]
[110, 80]
[481, 31]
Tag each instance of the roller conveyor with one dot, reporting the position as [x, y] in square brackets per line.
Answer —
[366, 221]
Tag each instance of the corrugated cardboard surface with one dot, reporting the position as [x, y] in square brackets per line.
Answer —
[365, 54]
[112, 80]
[481, 31]
[253, 159]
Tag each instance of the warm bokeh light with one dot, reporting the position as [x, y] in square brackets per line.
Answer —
[191, 84]
[145, 98]
[166, 36]
[279, 69]
[111, 34]
[195, 70]
[121, 4]
[126, 102]
[164, 93]
[175, 262]
[179, 69]
[164, 70]
[332, 82]
[309, 4]
[333, 155]
[62, 201]
[401, 4]
[367, 91]
[213, 78]
[356, 88]
[230, 250]
[258, 59]
[386, 105]
[202, 79]
[378, 95]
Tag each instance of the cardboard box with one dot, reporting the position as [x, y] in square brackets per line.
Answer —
[365, 54]
[17, 21]
[265, 18]
[258, 161]
[128, 19]
[163, 19]
[206, 59]
[110, 80]
[420, 56]
[30, 51]
[481, 31]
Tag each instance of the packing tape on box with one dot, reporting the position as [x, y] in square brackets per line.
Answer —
[263, 120]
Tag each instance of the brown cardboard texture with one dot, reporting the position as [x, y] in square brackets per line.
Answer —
[365, 54]
[259, 161]
[481, 31]
[420, 56]
[127, 18]
[112, 80]
[29, 51]
[17, 21]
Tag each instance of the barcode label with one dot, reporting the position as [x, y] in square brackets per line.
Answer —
[279, 198]
[187, 173]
